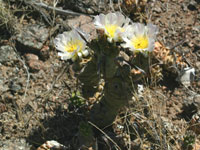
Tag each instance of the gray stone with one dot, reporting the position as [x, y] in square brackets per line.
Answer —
[32, 38]
[7, 54]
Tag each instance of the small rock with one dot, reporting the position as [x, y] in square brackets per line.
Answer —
[30, 56]
[44, 52]
[52, 145]
[32, 38]
[85, 23]
[35, 65]
[7, 54]
[187, 76]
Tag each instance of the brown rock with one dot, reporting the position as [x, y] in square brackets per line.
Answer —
[35, 65]
[44, 52]
[30, 56]
[85, 23]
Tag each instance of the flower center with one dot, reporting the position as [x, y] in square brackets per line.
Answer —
[140, 42]
[73, 45]
[111, 29]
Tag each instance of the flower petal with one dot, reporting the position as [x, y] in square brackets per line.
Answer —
[70, 44]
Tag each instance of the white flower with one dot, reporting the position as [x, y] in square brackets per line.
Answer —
[113, 25]
[71, 45]
[138, 37]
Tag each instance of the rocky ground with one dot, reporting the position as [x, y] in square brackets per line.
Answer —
[40, 97]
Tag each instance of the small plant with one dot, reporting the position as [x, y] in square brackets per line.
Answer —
[121, 50]
[76, 99]
[189, 140]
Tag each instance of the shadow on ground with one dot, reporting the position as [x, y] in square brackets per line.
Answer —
[62, 128]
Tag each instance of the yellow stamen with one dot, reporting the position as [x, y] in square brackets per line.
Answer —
[111, 29]
[140, 42]
[73, 45]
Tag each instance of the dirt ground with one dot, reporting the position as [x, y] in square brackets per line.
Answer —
[40, 96]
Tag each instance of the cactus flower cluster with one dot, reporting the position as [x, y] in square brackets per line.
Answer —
[116, 27]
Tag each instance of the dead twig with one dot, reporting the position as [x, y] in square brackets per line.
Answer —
[57, 10]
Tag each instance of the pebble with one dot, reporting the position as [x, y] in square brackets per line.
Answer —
[44, 52]
[30, 56]
[35, 65]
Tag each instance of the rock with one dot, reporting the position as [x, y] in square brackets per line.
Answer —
[44, 52]
[32, 38]
[33, 62]
[7, 54]
[35, 65]
[29, 57]
[17, 144]
[52, 145]
[85, 23]
[186, 76]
